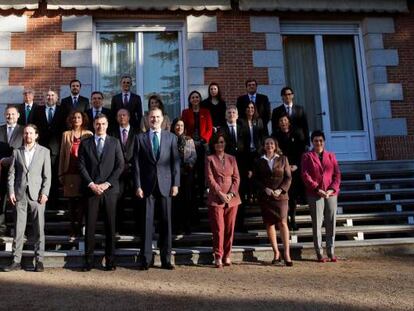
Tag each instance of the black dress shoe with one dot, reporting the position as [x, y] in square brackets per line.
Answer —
[144, 266]
[15, 266]
[87, 267]
[39, 267]
[110, 267]
[168, 266]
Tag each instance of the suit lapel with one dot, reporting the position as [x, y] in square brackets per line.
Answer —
[147, 142]
[23, 158]
[35, 156]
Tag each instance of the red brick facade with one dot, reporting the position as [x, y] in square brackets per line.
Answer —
[234, 42]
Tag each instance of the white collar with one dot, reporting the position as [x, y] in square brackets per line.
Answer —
[126, 128]
[274, 157]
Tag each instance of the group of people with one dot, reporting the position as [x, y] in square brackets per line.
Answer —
[101, 156]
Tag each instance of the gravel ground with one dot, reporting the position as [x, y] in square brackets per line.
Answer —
[354, 284]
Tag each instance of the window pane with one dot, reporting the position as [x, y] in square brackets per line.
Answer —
[117, 56]
[343, 91]
[162, 70]
[302, 75]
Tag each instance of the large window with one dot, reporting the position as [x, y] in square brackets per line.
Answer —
[151, 56]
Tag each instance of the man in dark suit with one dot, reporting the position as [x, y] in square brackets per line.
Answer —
[50, 121]
[28, 107]
[125, 133]
[100, 164]
[11, 137]
[157, 178]
[295, 112]
[261, 102]
[75, 101]
[97, 99]
[128, 100]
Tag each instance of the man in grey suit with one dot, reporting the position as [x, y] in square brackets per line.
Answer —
[11, 134]
[157, 177]
[28, 185]
[101, 162]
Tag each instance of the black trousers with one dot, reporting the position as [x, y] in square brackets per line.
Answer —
[108, 202]
[157, 202]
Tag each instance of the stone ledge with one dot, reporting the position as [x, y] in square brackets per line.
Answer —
[203, 58]
[264, 24]
[11, 94]
[76, 58]
[267, 58]
[387, 91]
[382, 58]
[13, 23]
[390, 127]
[84, 40]
[378, 25]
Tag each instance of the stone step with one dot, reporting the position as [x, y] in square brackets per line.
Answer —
[241, 253]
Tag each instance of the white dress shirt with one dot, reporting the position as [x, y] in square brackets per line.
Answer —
[271, 162]
[28, 155]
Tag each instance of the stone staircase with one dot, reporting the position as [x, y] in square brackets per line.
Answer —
[375, 212]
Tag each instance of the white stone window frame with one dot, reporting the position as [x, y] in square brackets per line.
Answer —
[139, 27]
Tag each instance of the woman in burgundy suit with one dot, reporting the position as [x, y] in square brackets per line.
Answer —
[273, 177]
[321, 176]
[200, 128]
[223, 199]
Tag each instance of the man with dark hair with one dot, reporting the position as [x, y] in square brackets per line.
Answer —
[75, 101]
[157, 178]
[97, 100]
[295, 112]
[11, 137]
[101, 162]
[128, 100]
[261, 102]
[26, 110]
[28, 186]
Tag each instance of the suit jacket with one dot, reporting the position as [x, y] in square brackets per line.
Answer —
[35, 179]
[22, 111]
[234, 148]
[134, 106]
[279, 177]
[67, 105]
[224, 178]
[292, 144]
[50, 135]
[106, 112]
[128, 148]
[206, 124]
[258, 134]
[298, 120]
[317, 175]
[108, 168]
[65, 148]
[149, 171]
[16, 139]
[262, 107]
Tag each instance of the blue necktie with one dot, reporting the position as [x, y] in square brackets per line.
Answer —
[99, 147]
[75, 102]
[155, 145]
[27, 112]
[50, 115]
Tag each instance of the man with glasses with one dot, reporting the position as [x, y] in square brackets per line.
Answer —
[127, 100]
[261, 102]
[295, 112]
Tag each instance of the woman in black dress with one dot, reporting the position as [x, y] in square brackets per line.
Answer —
[292, 142]
[216, 105]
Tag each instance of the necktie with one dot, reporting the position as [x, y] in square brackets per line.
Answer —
[9, 133]
[155, 145]
[233, 134]
[253, 98]
[289, 109]
[96, 113]
[50, 115]
[125, 99]
[124, 136]
[75, 102]
[27, 112]
[99, 147]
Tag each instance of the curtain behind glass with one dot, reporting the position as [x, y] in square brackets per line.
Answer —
[162, 70]
[343, 91]
[117, 54]
[302, 75]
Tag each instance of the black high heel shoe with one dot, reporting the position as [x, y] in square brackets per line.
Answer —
[289, 263]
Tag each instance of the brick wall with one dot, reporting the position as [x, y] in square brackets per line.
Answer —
[402, 40]
[42, 42]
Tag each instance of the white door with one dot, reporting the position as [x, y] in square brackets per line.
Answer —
[325, 72]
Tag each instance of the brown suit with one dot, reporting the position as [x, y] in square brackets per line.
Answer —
[224, 177]
[279, 177]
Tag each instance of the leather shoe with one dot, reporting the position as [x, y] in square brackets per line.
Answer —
[144, 266]
[15, 266]
[87, 267]
[168, 266]
[110, 267]
[39, 267]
